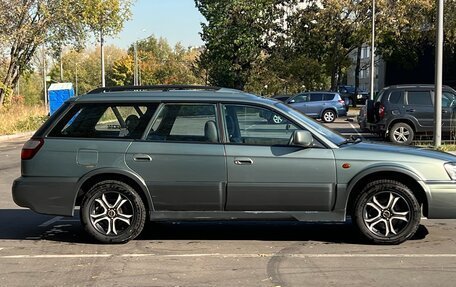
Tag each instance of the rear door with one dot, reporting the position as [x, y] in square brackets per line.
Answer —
[181, 158]
[419, 105]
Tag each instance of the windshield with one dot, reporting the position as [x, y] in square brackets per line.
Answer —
[328, 133]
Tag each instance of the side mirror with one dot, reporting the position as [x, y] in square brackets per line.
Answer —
[291, 101]
[302, 139]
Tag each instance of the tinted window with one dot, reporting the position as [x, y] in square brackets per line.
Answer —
[105, 121]
[420, 98]
[397, 97]
[316, 97]
[256, 126]
[448, 100]
[301, 98]
[328, 97]
[185, 122]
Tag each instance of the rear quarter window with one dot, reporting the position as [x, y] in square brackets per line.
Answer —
[105, 121]
[396, 97]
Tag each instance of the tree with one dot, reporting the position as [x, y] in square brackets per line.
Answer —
[27, 24]
[235, 35]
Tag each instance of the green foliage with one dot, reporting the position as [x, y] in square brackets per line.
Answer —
[236, 33]
[30, 123]
[26, 25]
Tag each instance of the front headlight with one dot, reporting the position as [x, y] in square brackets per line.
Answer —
[450, 167]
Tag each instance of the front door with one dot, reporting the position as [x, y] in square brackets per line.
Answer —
[266, 174]
[182, 160]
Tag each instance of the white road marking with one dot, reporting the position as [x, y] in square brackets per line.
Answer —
[356, 130]
[50, 221]
[229, 255]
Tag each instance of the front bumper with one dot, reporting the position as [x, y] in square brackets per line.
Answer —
[47, 195]
[441, 200]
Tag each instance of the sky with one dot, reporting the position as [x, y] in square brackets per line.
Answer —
[174, 20]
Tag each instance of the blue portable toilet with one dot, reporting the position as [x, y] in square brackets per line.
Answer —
[58, 94]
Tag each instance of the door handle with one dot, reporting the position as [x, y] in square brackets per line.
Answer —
[444, 111]
[243, 161]
[142, 157]
[410, 110]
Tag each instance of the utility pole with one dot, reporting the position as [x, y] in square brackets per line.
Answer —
[438, 76]
[135, 72]
[102, 59]
[372, 70]
[61, 66]
[44, 82]
[76, 80]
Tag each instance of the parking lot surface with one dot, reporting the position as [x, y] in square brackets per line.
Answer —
[42, 250]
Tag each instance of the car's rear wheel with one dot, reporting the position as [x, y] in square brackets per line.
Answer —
[401, 133]
[387, 212]
[113, 212]
[328, 116]
[276, 119]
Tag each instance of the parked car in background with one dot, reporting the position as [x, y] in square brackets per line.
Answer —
[282, 98]
[348, 93]
[402, 112]
[326, 106]
[125, 155]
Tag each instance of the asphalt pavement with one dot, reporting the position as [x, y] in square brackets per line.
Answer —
[40, 250]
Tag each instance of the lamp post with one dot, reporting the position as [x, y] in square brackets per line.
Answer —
[372, 70]
[135, 71]
[102, 59]
[438, 75]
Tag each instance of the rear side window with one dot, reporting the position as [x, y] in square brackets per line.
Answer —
[316, 97]
[396, 97]
[419, 98]
[105, 121]
[185, 123]
[328, 97]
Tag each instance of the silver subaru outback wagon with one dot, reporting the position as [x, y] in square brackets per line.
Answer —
[129, 154]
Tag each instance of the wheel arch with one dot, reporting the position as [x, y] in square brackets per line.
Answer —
[404, 176]
[130, 178]
[410, 122]
[329, 108]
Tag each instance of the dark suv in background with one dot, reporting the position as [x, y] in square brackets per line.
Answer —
[402, 112]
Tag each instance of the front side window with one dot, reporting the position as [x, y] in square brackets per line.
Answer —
[185, 123]
[105, 121]
[419, 98]
[301, 98]
[256, 126]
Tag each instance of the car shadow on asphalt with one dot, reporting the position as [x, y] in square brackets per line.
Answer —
[23, 224]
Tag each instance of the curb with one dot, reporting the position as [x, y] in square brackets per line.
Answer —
[15, 136]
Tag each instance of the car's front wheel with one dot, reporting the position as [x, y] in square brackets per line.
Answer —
[113, 212]
[387, 212]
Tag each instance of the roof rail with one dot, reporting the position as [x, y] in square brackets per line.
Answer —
[163, 88]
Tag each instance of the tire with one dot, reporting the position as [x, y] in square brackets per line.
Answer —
[112, 212]
[328, 116]
[370, 113]
[387, 212]
[401, 133]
